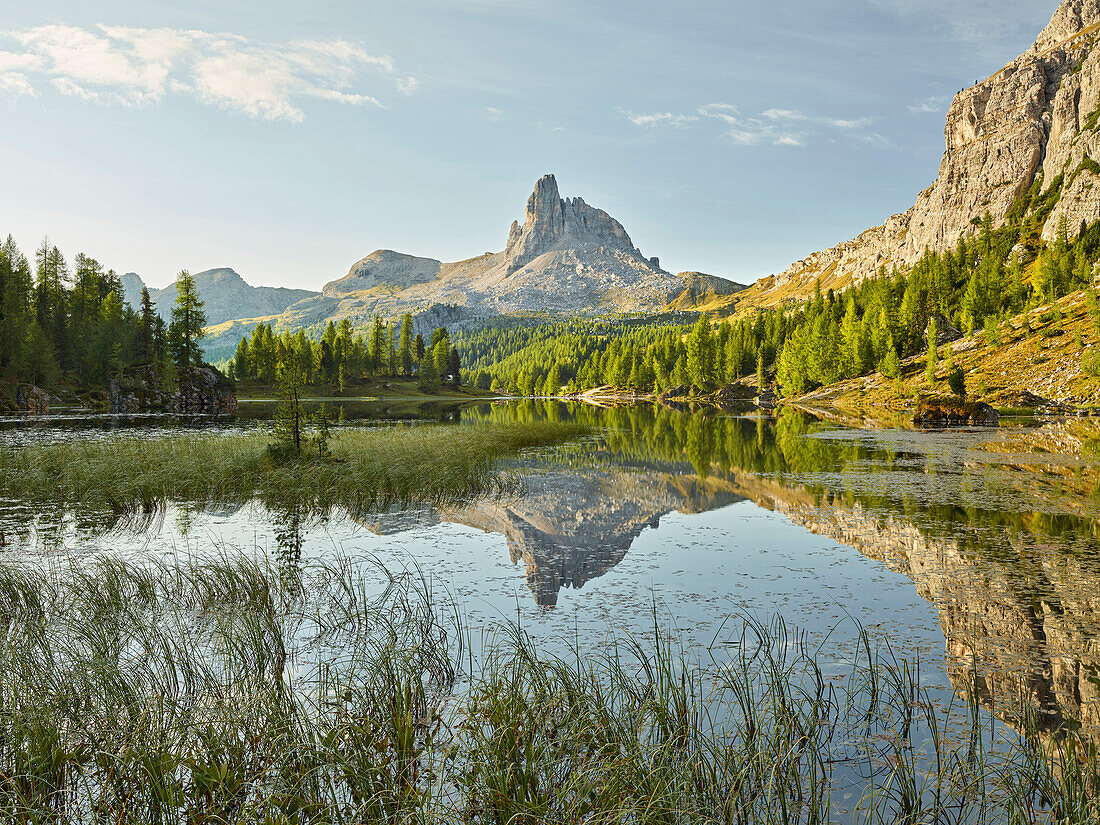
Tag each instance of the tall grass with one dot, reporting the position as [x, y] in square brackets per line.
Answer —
[367, 470]
[229, 691]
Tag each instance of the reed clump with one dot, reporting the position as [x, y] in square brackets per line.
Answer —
[364, 469]
[231, 691]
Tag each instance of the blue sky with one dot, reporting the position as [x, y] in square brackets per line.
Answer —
[289, 139]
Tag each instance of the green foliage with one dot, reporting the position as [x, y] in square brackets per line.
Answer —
[290, 419]
[932, 357]
[1090, 363]
[322, 432]
[236, 691]
[367, 470]
[188, 321]
[956, 382]
[991, 332]
[1091, 119]
[823, 340]
[70, 324]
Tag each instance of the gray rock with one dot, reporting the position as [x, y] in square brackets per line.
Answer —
[31, 399]
[199, 391]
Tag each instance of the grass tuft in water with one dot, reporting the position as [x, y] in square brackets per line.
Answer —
[367, 470]
[229, 691]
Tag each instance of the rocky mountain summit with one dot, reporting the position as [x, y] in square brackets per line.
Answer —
[1037, 119]
[566, 257]
[225, 294]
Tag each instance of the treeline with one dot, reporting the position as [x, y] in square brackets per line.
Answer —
[62, 324]
[868, 328]
[342, 357]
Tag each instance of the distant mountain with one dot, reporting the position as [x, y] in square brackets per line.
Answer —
[225, 294]
[1036, 121]
[566, 258]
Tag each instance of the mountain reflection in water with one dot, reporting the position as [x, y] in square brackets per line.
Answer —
[997, 529]
[1017, 588]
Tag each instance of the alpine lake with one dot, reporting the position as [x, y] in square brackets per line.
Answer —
[971, 555]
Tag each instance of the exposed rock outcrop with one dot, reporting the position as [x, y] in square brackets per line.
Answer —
[31, 399]
[955, 414]
[199, 391]
[1037, 115]
[385, 267]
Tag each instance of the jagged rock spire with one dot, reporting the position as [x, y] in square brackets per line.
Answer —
[549, 219]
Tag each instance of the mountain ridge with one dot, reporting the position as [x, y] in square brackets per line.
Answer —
[226, 295]
[567, 257]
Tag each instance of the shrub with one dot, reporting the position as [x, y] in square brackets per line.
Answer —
[1090, 363]
[957, 382]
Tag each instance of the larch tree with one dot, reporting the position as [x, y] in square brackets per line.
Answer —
[188, 320]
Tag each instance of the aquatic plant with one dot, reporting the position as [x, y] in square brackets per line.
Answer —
[233, 691]
[362, 470]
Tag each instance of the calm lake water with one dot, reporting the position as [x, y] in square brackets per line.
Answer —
[975, 553]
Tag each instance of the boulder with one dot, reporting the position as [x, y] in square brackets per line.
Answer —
[31, 399]
[955, 413]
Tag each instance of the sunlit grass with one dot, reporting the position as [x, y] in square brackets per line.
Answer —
[368, 469]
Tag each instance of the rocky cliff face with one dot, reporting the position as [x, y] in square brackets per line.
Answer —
[550, 220]
[1036, 116]
[573, 526]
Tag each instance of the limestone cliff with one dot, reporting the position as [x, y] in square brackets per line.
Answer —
[1038, 116]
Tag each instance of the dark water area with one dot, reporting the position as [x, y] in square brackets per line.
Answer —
[974, 554]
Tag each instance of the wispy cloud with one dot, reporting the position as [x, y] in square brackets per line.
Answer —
[660, 119]
[774, 127]
[134, 66]
[934, 105]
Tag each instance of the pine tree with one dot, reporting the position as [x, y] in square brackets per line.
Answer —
[188, 320]
[322, 433]
[932, 356]
[289, 416]
[699, 346]
[376, 351]
[454, 368]
[405, 346]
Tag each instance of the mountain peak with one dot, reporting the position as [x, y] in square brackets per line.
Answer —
[1070, 19]
[549, 219]
[223, 274]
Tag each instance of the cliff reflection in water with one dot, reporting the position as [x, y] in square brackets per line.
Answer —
[1013, 571]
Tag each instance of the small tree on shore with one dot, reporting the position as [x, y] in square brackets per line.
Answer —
[289, 417]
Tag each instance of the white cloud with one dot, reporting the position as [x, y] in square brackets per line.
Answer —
[660, 119]
[932, 105]
[784, 114]
[133, 66]
[772, 127]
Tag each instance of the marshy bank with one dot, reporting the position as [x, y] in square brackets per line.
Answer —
[366, 470]
[230, 691]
